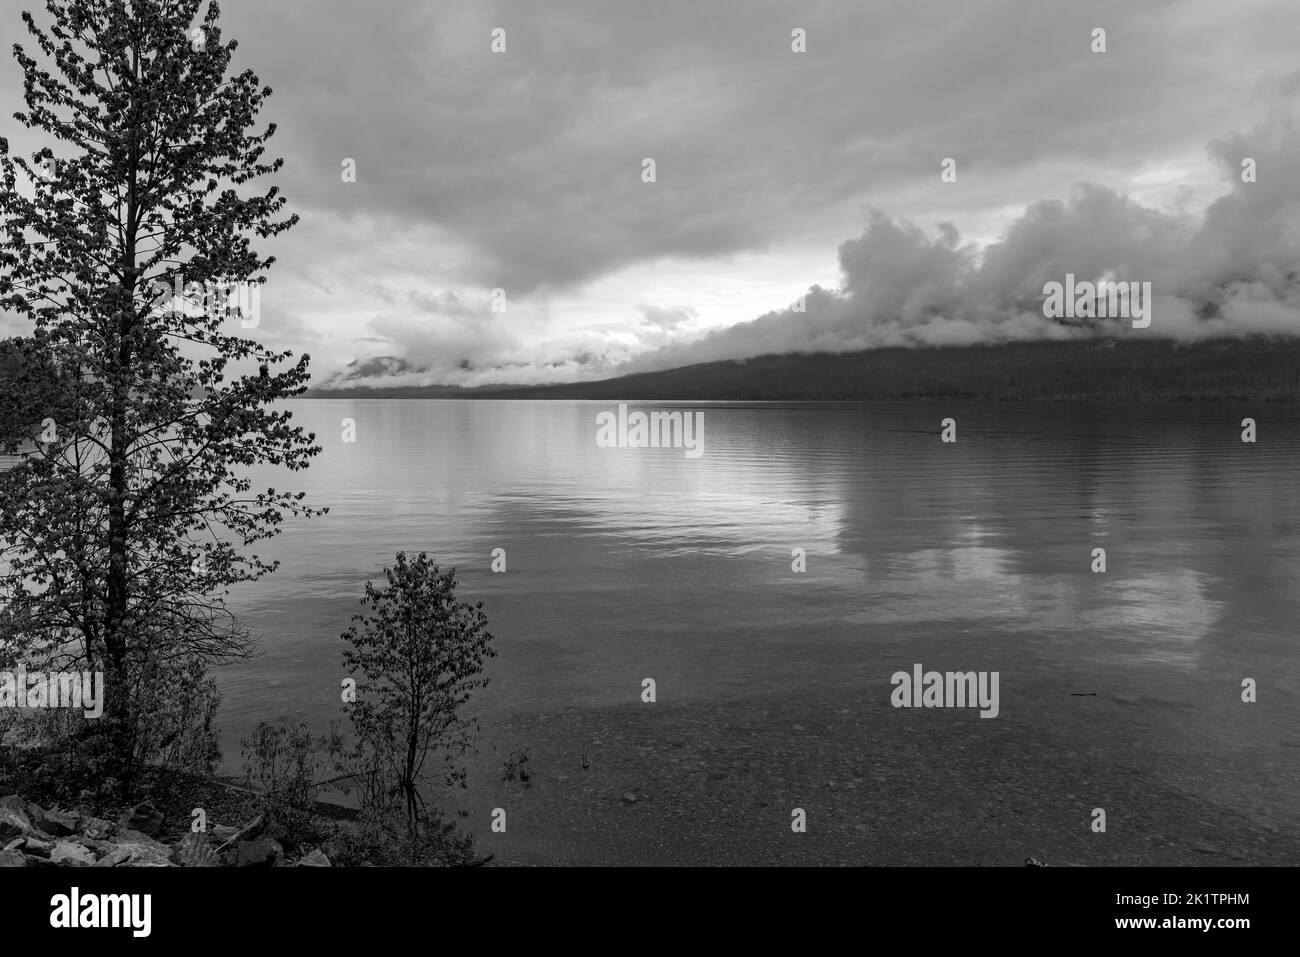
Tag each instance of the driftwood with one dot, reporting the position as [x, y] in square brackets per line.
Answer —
[253, 825]
[232, 787]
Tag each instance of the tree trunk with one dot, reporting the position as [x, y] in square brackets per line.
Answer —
[116, 633]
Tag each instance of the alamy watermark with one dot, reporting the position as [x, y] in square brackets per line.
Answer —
[952, 689]
[657, 429]
[218, 298]
[82, 690]
[75, 910]
[1103, 299]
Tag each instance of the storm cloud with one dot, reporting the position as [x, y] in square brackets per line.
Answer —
[520, 172]
[1233, 271]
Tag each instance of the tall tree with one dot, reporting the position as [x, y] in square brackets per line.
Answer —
[121, 538]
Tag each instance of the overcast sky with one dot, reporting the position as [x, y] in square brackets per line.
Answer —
[776, 172]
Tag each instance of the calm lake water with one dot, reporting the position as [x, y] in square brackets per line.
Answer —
[625, 563]
[632, 563]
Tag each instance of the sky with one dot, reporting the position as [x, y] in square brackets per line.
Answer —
[500, 228]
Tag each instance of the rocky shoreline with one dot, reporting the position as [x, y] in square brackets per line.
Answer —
[33, 836]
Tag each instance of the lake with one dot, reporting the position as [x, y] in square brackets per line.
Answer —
[1119, 691]
[628, 563]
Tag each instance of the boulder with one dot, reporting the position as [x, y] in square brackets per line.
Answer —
[14, 822]
[223, 832]
[33, 846]
[316, 858]
[72, 854]
[54, 823]
[136, 855]
[144, 817]
[97, 828]
[262, 852]
[134, 849]
[195, 850]
[12, 859]
[129, 836]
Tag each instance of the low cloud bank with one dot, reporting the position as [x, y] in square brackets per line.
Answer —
[1235, 271]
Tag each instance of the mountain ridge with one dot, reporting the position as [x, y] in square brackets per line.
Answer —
[1253, 368]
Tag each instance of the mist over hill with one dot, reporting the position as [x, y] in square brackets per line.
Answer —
[1259, 368]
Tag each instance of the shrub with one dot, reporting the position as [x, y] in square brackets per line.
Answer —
[288, 765]
[419, 653]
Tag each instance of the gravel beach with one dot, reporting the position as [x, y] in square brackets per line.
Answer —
[716, 784]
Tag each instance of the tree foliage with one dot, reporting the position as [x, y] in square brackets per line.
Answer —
[420, 653]
[120, 538]
[30, 392]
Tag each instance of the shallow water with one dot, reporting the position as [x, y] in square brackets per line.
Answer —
[624, 564]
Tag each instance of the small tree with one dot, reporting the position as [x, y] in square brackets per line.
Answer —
[420, 653]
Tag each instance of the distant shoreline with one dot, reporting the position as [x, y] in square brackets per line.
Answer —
[1254, 369]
